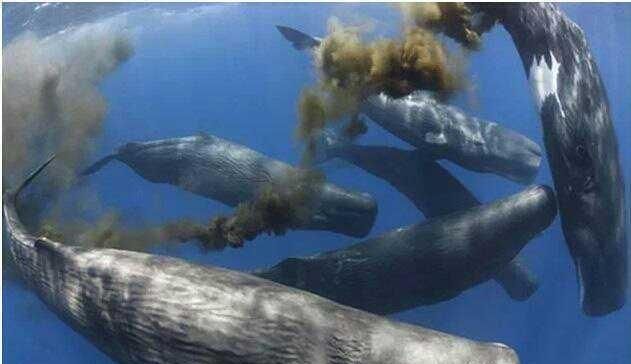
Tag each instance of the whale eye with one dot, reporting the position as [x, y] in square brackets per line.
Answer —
[582, 157]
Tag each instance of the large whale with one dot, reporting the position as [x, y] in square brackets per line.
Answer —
[446, 132]
[424, 263]
[140, 308]
[232, 173]
[431, 188]
[581, 146]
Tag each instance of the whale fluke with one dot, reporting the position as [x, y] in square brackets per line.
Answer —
[14, 194]
[96, 166]
[298, 39]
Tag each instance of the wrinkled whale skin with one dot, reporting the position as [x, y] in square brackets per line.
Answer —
[581, 146]
[423, 263]
[434, 191]
[140, 308]
[447, 133]
[231, 173]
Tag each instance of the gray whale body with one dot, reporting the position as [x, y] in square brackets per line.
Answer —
[581, 146]
[423, 263]
[141, 308]
[447, 133]
[433, 190]
[231, 173]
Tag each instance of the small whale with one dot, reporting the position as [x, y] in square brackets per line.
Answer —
[141, 308]
[430, 187]
[425, 263]
[581, 145]
[446, 132]
[231, 173]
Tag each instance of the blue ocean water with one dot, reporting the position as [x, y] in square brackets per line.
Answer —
[225, 70]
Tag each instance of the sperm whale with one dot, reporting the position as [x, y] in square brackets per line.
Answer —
[431, 188]
[581, 146]
[444, 131]
[447, 133]
[140, 308]
[424, 263]
[231, 173]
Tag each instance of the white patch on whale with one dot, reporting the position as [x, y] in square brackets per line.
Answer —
[544, 80]
[41, 6]
[581, 288]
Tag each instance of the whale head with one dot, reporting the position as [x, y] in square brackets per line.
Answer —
[344, 211]
[584, 158]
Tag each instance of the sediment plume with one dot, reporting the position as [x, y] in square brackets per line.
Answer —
[277, 208]
[453, 19]
[109, 231]
[395, 67]
[351, 69]
[51, 104]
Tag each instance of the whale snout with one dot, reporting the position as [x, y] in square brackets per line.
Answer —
[602, 278]
[504, 354]
[538, 205]
[500, 354]
[515, 156]
[595, 231]
[346, 212]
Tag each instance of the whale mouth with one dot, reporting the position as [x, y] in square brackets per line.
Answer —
[601, 267]
[347, 222]
[344, 212]
[602, 282]
[595, 233]
[514, 156]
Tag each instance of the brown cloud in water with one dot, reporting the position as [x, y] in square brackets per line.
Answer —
[110, 231]
[280, 206]
[350, 69]
[51, 104]
[395, 67]
[320, 105]
[453, 19]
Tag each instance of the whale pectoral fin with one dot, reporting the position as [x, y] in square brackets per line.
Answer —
[96, 166]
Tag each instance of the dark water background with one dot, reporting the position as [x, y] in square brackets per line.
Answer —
[225, 70]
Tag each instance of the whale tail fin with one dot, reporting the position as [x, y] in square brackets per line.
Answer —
[13, 195]
[96, 166]
[298, 39]
[12, 225]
